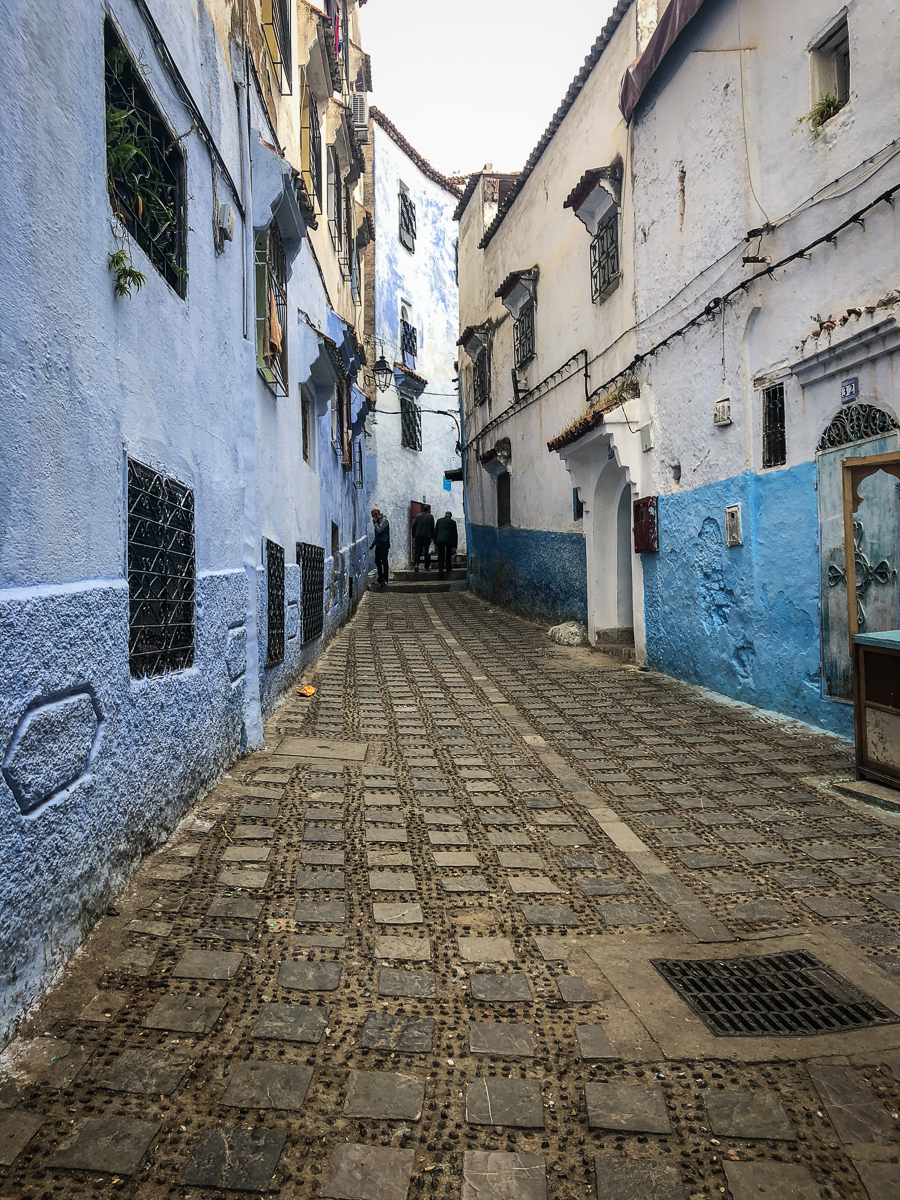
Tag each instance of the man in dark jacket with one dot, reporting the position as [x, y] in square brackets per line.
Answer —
[381, 544]
[423, 532]
[446, 537]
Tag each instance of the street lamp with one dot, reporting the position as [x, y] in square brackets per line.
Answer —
[384, 373]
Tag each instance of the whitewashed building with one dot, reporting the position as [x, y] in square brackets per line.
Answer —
[411, 325]
[754, 347]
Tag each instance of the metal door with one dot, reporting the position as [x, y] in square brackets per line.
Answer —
[876, 537]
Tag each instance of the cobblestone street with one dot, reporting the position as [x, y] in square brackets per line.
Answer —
[409, 950]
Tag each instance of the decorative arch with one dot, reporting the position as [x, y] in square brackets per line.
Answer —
[854, 424]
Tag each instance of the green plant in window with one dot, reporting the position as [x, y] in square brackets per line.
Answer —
[823, 110]
[126, 275]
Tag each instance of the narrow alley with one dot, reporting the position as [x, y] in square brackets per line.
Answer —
[432, 942]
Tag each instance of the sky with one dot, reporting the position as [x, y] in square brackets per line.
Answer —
[476, 81]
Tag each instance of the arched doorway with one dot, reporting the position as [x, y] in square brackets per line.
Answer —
[612, 560]
[856, 431]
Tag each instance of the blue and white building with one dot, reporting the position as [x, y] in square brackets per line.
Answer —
[412, 321]
[182, 492]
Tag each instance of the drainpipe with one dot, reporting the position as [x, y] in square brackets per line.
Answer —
[254, 738]
[462, 457]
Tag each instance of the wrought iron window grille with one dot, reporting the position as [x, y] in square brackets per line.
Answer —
[855, 423]
[276, 25]
[407, 222]
[774, 443]
[312, 148]
[523, 335]
[605, 256]
[161, 572]
[271, 309]
[311, 560]
[410, 424]
[275, 579]
[481, 378]
[335, 200]
[409, 344]
[358, 470]
[145, 167]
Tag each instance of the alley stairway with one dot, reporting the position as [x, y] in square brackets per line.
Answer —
[422, 581]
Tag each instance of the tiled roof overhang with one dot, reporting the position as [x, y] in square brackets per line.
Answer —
[410, 151]
[571, 96]
[583, 188]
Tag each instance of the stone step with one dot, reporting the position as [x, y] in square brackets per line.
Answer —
[623, 651]
[411, 576]
[422, 585]
[622, 636]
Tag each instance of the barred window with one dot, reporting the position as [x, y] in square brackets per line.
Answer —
[358, 464]
[311, 146]
[271, 310]
[145, 170]
[275, 579]
[306, 423]
[312, 589]
[409, 343]
[774, 444]
[410, 424]
[335, 199]
[481, 378]
[161, 572]
[605, 256]
[407, 220]
[276, 24]
[523, 334]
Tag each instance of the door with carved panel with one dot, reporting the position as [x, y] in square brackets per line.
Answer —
[860, 430]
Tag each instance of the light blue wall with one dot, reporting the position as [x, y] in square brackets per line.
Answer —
[743, 621]
[538, 573]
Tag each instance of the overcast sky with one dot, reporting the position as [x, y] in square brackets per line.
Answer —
[476, 81]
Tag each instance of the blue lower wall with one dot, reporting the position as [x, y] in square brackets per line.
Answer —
[743, 621]
[540, 574]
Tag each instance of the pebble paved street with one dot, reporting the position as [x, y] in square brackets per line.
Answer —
[409, 950]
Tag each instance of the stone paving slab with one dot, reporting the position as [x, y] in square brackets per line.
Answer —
[185, 1014]
[851, 1105]
[239, 1159]
[774, 1181]
[495, 1175]
[486, 949]
[292, 1022]
[146, 1071]
[397, 1034]
[627, 1179]
[748, 1115]
[112, 1145]
[512, 1102]
[502, 1040]
[636, 1108]
[17, 1128]
[268, 1085]
[384, 1096]
[368, 1173]
[310, 976]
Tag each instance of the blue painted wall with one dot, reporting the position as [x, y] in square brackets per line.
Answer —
[538, 573]
[743, 621]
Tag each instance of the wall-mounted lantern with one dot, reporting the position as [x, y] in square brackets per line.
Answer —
[384, 373]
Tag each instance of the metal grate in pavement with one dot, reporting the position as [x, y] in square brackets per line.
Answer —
[782, 995]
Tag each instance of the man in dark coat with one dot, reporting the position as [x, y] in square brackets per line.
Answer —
[446, 537]
[381, 544]
[423, 532]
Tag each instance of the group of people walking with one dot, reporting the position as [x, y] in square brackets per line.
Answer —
[425, 530]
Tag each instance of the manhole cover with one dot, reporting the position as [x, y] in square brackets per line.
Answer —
[775, 995]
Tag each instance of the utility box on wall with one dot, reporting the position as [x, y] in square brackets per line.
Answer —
[646, 529]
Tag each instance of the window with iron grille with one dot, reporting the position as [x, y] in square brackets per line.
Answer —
[774, 445]
[271, 309]
[306, 423]
[481, 378]
[145, 171]
[311, 147]
[161, 572]
[605, 256]
[577, 506]
[410, 424]
[407, 221]
[311, 560]
[346, 432]
[276, 24]
[409, 344]
[335, 199]
[275, 578]
[523, 334]
[358, 467]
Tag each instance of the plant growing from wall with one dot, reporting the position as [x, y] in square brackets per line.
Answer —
[592, 415]
[145, 176]
[823, 110]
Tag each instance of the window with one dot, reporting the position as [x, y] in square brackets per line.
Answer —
[646, 525]
[523, 334]
[311, 560]
[409, 343]
[311, 147]
[161, 572]
[145, 170]
[503, 517]
[275, 580]
[605, 256]
[306, 423]
[358, 464]
[276, 23]
[271, 309]
[344, 431]
[481, 377]
[335, 200]
[577, 506]
[335, 539]
[407, 219]
[410, 424]
[345, 251]
[830, 69]
[774, 448]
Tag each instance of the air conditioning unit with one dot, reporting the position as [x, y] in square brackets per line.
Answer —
[360, 105]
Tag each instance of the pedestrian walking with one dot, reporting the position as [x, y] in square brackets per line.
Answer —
[381, 544]
[423, 532]
[446, 539]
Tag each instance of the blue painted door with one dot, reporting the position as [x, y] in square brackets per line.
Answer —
[877, 538]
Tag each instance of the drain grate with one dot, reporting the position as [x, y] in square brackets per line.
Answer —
[774, 995]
